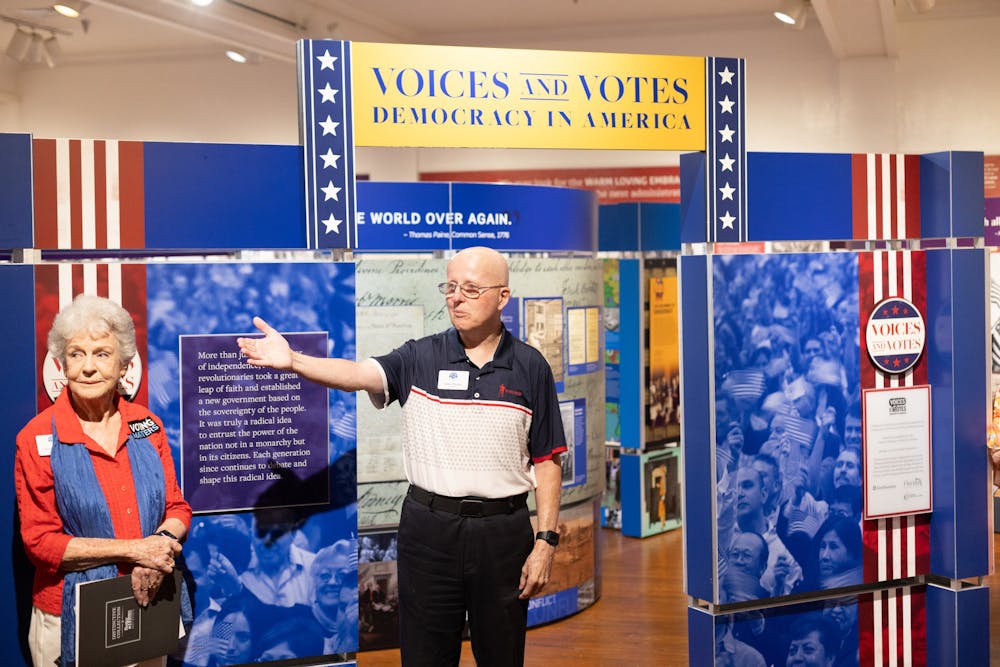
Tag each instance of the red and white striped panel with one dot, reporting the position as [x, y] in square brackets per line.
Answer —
[88, 194]
[885, 196]
[896, 547]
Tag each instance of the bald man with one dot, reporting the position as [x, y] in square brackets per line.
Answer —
[481, 428]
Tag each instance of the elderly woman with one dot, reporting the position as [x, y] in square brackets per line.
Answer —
[95, 483]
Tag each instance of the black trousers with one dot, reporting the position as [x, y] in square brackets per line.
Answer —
[450, 566]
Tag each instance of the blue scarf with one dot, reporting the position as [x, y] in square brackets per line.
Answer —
[84, 513]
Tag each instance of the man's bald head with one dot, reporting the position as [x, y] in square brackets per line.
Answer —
[482, 261]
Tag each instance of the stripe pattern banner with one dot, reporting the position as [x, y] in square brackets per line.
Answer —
[897, 547]
[726, 159]
[88, 194]
[885, 196]
[327, 136]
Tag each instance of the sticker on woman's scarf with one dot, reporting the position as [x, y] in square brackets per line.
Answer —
[143, 428]
[455, 380]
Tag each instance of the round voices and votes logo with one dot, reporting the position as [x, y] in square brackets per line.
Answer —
[895, 335]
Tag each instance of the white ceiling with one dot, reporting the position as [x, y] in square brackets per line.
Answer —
[114, 30]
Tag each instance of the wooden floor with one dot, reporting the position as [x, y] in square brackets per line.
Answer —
[641, 617]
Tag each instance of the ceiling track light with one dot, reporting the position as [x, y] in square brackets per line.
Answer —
[792, 13]
[17, 48]
[51, 51]
[29, 45]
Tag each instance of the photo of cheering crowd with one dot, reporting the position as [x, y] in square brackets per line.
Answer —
[788, 427]
[269, 586]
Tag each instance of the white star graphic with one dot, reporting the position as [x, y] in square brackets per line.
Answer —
[727, 191]
[725, 76]
[330, 126]
[726, 162]
[329, 158]
[331, 192]
[727, 221]
[727, 134]
[332, 224]
[725, 103]
[328, 93]
[326, 60]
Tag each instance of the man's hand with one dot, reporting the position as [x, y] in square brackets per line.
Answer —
[536, 569]
[271, 351]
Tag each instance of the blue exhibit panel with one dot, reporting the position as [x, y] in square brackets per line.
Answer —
[420, 217]
[696, 427]
[15, 191]
[956, 283]
[404, 216]
[533, 217]
[634, 226]
[951, 195]
[958, 626]
[701, 637]
[17, 393]
[659, 226]
[223, 196]
[693, 206]
[618, 227]
[552, 607]
[630, 482]
[630, 367]
[800, 196]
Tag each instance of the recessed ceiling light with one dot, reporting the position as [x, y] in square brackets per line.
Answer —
[68, 8]
[236, 56]
[201, 3]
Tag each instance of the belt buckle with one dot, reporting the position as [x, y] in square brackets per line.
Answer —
[471, 507]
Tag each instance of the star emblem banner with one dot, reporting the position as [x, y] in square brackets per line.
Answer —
[327, 137]
[726, 162]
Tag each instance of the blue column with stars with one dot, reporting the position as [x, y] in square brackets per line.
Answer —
[327, 136]
[725, 148]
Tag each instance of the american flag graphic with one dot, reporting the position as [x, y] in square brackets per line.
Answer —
[726, 160]
[885, 196]
[88, 195]
[327, 136]
[896, 547]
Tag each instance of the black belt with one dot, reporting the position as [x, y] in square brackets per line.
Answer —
[468, 506]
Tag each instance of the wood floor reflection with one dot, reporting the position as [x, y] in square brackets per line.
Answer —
[641, 618]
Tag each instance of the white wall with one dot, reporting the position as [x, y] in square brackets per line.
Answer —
[941, 93]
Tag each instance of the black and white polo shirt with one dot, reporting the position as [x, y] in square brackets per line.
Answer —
[470, 431]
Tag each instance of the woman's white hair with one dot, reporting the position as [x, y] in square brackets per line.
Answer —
[92, 315]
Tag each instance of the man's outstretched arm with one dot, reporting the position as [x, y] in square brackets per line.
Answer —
[273, 351]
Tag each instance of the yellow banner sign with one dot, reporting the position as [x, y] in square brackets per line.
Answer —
[446, 96]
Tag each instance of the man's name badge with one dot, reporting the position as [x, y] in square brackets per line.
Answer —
[453, 380]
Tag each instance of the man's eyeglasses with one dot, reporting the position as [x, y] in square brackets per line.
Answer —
[468, 290]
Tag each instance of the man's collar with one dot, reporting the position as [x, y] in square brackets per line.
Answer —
[502, 358]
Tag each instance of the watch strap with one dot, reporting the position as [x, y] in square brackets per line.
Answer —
[549, 536]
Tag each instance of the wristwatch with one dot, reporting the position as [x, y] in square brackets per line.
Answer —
[550, 536]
